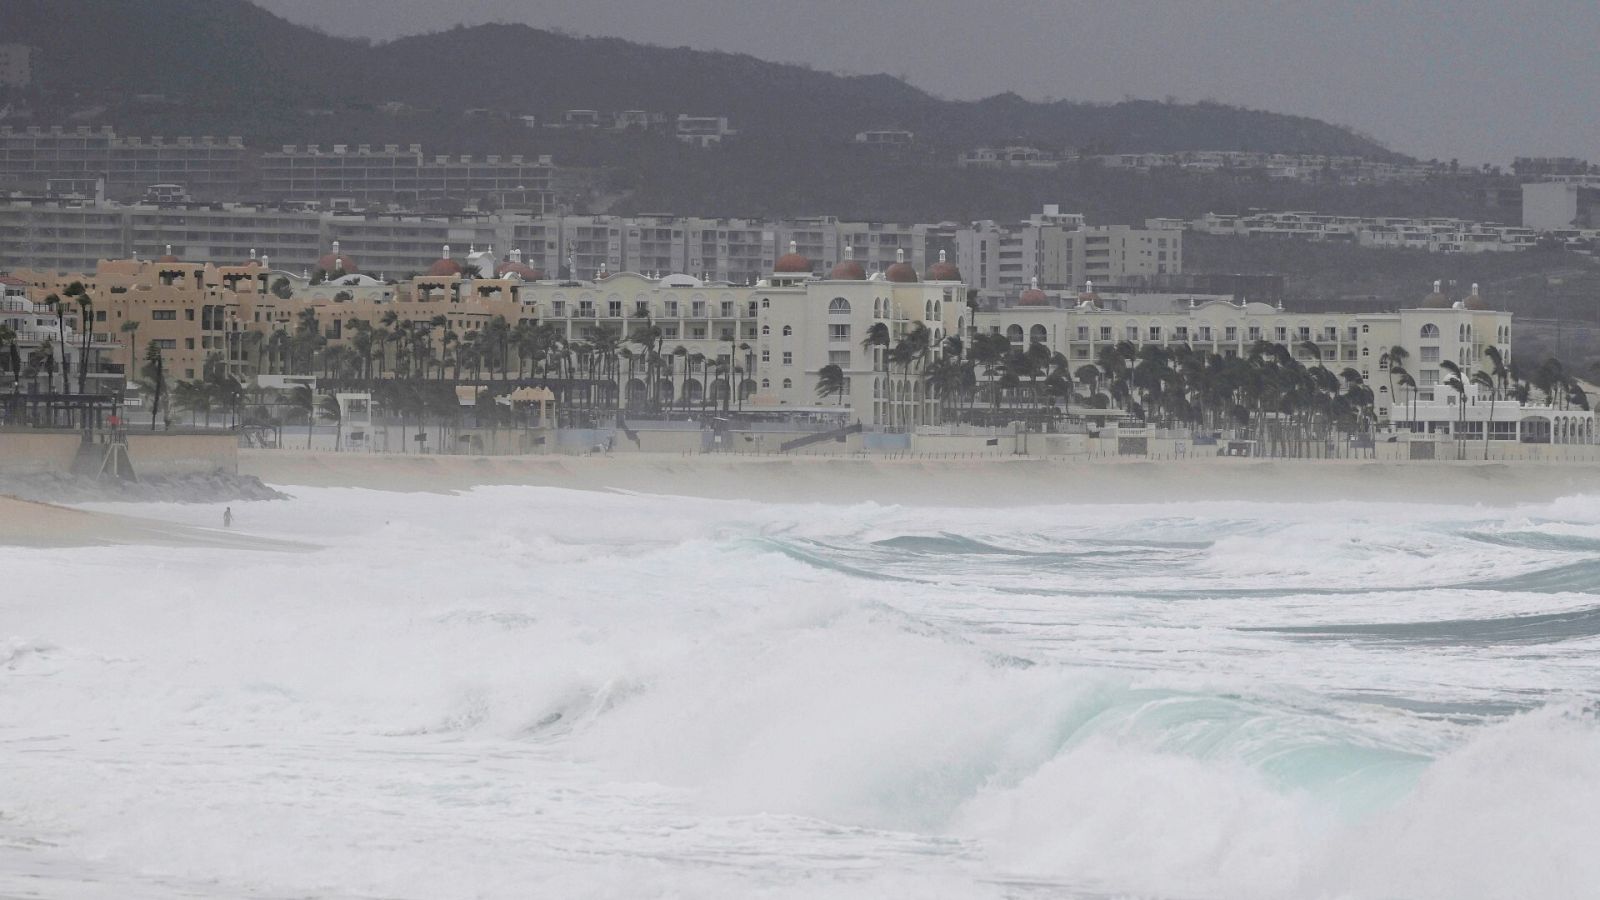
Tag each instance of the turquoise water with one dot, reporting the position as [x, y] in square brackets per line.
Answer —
[624, 695]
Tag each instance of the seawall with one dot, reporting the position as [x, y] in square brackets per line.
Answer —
[153, 454]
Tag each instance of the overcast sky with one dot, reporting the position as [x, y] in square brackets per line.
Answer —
[1482, 80]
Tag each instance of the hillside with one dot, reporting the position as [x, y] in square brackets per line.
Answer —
[237, 68]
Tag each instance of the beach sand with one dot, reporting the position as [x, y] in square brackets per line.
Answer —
[28, 523]
[931, 482]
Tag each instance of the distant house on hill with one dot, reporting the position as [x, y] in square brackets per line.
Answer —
[886, 137]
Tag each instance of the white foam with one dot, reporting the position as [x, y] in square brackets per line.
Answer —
[460, 696]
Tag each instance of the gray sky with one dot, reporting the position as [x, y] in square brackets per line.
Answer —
[1482, 80]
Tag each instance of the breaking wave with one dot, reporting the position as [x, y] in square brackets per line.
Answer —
[462, 696]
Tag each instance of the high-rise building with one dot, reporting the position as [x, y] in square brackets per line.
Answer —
[1058, 251]
[206, 167]
[405, 176]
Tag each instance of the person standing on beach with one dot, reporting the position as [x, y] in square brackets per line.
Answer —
[227, 517]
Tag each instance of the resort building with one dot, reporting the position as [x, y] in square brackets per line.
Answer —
[761, 346]
[49, 344]
[1435, 331]
[773, 337]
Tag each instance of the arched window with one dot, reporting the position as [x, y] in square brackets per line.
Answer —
[788, 383]
[877, 309]
[766, 383]
[766, 303]
[1014, 334]
[766, 329]
[1037, 334]
[927, 310]
[788, 330]
[1430, 330]
[839, 305]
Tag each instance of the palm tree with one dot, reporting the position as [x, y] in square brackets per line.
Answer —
[1409, 383]
[8, 356]
[131, 329]
[303, 400]
[1485, 381]
[154, 372]
[192, 396]
[830, 381]
[1497, 366]
[949, 379]
[59, 307]
[328, 409]
[86, 325]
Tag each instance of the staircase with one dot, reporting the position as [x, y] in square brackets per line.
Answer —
[838, 434]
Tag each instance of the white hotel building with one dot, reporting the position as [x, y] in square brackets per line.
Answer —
[1078, 326]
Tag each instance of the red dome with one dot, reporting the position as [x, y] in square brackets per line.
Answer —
[169, 258]
[901, 272]
[848, 270]
[1436, 300]
[330, 263]
[792, 263]
[1089, 297]
[526, 273]
[1033, 297]
[444, 268]
[944, 271]
[251, 262]
[1475, 302]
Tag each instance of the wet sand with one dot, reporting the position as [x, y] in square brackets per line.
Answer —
[933, 482]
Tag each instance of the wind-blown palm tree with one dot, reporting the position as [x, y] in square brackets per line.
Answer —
[86, 325]
[303, 400]
[131, 329]
[59, 307]
[1484, 381]
[830, 382]
[328, 409]
[1410, 384]
[155, 375]
[9, 361]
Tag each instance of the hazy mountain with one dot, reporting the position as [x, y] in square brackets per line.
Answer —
[241, 69]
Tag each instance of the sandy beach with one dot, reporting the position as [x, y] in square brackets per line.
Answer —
[925, 482]
[27, 523]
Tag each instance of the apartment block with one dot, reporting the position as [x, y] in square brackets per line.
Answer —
[1058, 251]
[405, 175]
[205, 166]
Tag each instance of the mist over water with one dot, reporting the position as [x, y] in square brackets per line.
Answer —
[520, 691]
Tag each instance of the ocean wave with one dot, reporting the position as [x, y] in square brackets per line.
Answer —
[1534, 629]
[541, 687]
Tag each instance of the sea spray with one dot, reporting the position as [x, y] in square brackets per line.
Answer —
[463, 696]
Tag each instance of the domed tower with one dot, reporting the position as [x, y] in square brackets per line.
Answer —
[1437, 299]
[901, 272]
[513, 265]
[334, 261]
[793, 262]
[848, 268]
[1474, 301]
[1032, 296]
[444, 266]
[944, 271]
[1089, 297]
